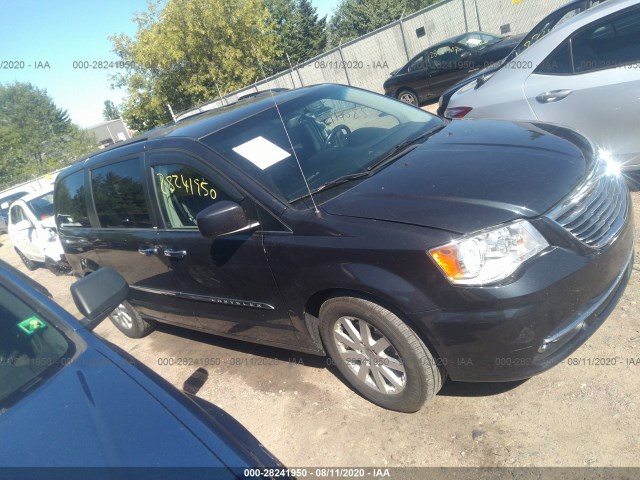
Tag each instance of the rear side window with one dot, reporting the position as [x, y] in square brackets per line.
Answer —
[17, 215]
[70, 203]
[119, 195]
[608, 44]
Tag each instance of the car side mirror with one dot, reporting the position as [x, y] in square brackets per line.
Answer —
[465, 55]
[22, 225]
[4, 205]
[98, 294]
[223, 218]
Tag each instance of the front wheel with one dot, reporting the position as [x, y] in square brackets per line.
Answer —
[407, 96]
[129, 322]
[378, 354]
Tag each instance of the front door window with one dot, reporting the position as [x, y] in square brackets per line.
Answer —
[183, 192]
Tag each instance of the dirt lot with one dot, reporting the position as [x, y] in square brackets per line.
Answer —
[572, 415]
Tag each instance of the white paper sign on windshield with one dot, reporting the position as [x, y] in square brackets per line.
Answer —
[261, 152]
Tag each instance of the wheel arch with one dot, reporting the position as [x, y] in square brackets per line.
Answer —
[315, 302]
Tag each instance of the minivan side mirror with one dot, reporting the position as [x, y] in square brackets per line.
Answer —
[223, 218]
[98, 294]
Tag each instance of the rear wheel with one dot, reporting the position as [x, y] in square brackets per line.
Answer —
[407, 96]
[129, 322]
[378, 354]
[30, 264]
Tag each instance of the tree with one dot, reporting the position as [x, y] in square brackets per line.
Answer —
[354, 18]
[36, 136]
[300, 33]
[110, 111]
[182, 53]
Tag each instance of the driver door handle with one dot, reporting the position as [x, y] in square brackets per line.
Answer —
[147, 252]
[553, 96]
[175, 253]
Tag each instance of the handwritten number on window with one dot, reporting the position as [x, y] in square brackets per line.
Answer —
[192, 186]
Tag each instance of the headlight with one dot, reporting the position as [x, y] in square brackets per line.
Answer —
[613, 167]
[489, 256]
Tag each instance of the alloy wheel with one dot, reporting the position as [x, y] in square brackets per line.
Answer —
[121, 316]
[369, 355]
[408, 97]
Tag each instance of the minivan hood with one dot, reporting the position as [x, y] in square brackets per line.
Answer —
[471, 175]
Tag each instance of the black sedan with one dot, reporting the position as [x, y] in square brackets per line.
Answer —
[432, 71]
[67, 399]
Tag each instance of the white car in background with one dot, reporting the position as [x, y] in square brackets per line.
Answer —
[5, 201]
[33, 233]
[585, 74]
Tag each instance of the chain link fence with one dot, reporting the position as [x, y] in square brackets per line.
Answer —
[368, 61]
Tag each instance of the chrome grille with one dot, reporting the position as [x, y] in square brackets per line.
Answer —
[596, 210]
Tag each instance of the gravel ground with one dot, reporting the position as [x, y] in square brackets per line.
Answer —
[573, 415]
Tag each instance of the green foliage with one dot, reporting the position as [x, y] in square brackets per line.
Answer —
[181, 51]
[354, 18]
[36, 136]
[110, 111]
[299, 32]
[119, 199]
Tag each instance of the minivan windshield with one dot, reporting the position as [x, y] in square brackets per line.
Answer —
[336, 132]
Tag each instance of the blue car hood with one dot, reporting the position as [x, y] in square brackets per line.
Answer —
[93, 414]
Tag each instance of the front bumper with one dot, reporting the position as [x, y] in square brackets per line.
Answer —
[518, 330]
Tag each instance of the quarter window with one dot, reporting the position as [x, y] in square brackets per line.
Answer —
[558, 63]
[71, 206]
[119, 196]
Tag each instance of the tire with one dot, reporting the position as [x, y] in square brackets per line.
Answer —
[30, 264]
[408, 96]
[402, 376]
[127, 320]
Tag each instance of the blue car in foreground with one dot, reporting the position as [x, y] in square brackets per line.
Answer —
[67, 399]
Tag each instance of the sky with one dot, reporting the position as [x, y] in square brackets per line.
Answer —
[40, 40]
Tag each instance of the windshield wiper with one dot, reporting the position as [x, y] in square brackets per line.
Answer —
[403, 148]
[334, 182]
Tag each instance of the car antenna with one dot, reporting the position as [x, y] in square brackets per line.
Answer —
[295, 155]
